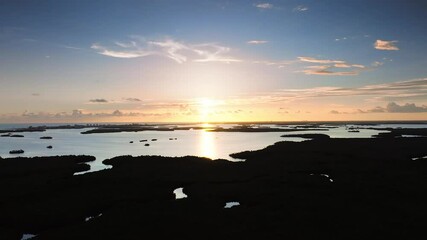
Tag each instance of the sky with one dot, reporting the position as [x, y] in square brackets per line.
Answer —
[212, 61]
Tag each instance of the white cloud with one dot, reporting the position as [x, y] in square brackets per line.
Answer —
[340, 39]
[257, 42]
[71, 47]
[377, 64]
[170, 49]
[126, 45]
[178, 51]
[213, 53]
[264, 5]
[300, 8]
[315, 60]
[385, 45]
[120, 54]
[279, 64]
[358, 66]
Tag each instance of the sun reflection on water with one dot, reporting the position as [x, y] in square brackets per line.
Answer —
[207, 144]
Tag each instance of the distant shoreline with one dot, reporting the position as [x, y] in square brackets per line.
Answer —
[129, 127]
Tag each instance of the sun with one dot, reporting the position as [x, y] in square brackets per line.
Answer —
[206, 107]
[207, 102]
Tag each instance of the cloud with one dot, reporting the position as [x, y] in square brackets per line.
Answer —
[326, 72]
[126, 45]
[373, 110]
[98, 100]
[300, 8]
[279, 64]
[386, 45]
[407, 108]
[359, 111]
[358, 66]
[171, 49]
[80, 114]
[133, 99]
[377, 64]
[256, 42]
[71, 47]
[393, 107]
[180, 52]
[315, 60]
[213, 53]
[377, 110]
[330, 67]
[340, 39]
[402, 90]
[342, 65]
[264, 5]
[120, 54]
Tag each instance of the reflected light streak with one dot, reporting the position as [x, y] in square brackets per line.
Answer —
[207, 145]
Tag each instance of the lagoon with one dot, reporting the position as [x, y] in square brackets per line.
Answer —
[203, 143]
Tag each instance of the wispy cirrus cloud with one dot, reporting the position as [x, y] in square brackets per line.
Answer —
[300, 8]
[180, 52]
[330, 67]
[71, 47]
[256, 42]
[386, 45]
[340, 39]
[401, 90]
[213, 53]
[120, 53]
[279, 64]
[316, 60]
[264, 5]
[377, 64]
[324, 70]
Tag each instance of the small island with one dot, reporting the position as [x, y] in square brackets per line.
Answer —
[16, 151]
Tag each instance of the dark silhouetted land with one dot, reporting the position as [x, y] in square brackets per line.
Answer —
[317, 189]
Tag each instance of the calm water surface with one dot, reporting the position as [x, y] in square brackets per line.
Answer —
[202, 143]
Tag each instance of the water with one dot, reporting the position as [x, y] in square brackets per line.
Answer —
[231, 204]
[27, 236]
[92, 217]
[179, 193]
[214, 145]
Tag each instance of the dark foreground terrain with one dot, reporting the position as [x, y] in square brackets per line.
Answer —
[317, 189]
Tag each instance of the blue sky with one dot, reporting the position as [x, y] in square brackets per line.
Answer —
[212, 60]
